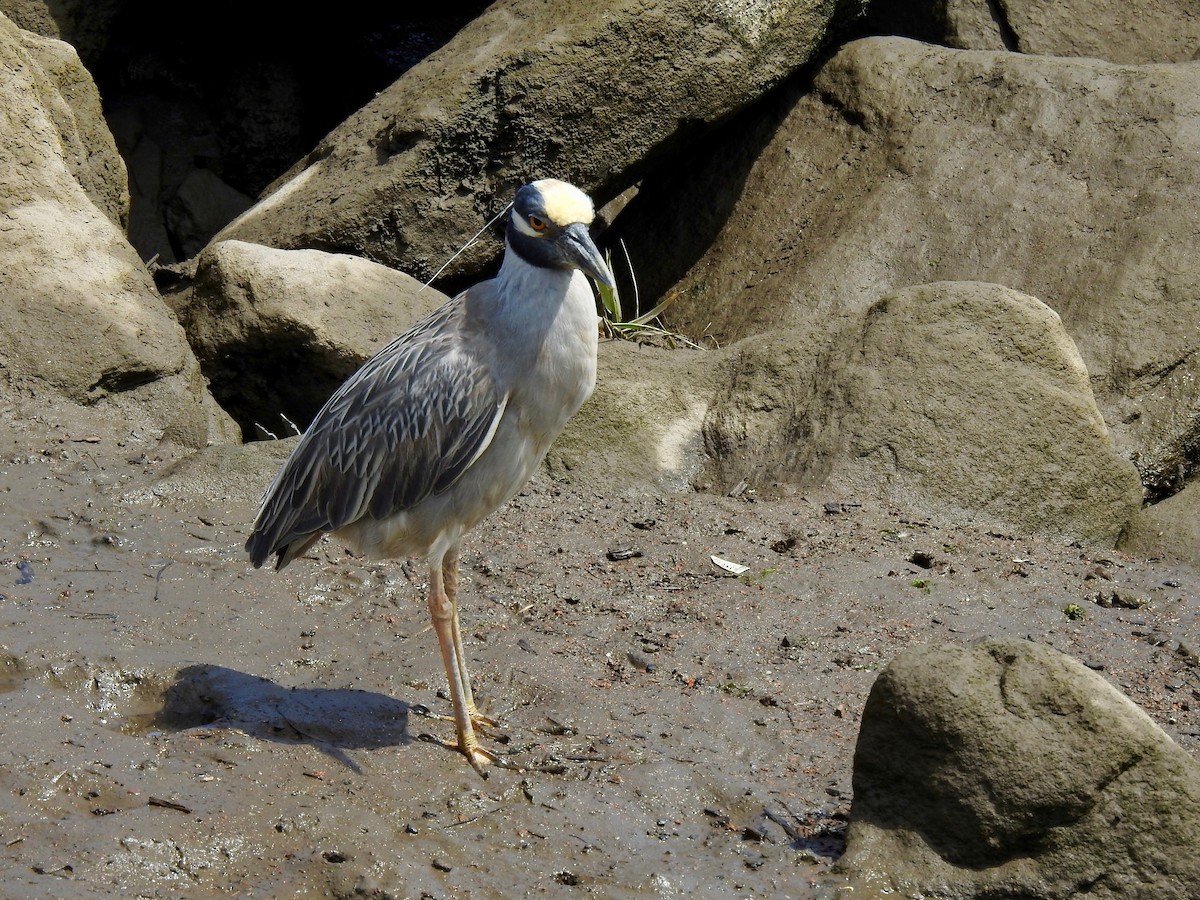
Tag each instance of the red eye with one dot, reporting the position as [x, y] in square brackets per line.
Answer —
[536, 224]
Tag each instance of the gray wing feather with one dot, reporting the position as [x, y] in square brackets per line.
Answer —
[406, 425]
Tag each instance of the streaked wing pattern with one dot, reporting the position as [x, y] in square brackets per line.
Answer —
[406, 425]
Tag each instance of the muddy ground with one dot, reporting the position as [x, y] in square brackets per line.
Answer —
[178, 724]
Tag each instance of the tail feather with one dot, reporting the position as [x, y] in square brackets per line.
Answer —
[260, 547]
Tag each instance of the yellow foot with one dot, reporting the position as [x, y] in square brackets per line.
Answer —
[478, 718]
[479, 757]
[487, 726]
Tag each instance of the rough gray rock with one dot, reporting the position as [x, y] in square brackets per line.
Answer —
[48, 93]
[79, 313]
[1071, 180]
[1114, 30]
[84, 24]
[278, 330]
[643, 421]
[1009, 770]
[529, 89]
[1170, 527]
[959, 399]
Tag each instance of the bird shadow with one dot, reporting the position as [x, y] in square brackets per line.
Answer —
[333, 720]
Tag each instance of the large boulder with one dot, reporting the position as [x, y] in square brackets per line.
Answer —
[278, 330]
[1170, 528]
[79, 313]
[1010, 770]
[68, 127]
[965, 400]
[1071, 180]
[1114, 30]
[529, 89]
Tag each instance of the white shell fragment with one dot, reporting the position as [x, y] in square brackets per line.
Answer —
[735, 568]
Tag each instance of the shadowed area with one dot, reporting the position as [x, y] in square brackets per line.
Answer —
[331, 719]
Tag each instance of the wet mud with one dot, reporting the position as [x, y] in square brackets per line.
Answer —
[176, 723]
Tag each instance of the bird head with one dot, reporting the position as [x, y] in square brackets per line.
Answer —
[548, 227]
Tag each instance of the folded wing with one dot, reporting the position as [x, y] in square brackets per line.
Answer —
[406, 425]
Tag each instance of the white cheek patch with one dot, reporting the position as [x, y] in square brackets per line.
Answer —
[523, 226]
[565, 204]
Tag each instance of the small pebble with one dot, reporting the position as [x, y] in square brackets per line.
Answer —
[617, 554]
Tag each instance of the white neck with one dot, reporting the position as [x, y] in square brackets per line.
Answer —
[518, 278]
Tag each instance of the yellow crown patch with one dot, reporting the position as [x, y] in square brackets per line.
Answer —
[565, 204]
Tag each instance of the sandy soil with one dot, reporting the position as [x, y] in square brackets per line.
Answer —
[178, 724]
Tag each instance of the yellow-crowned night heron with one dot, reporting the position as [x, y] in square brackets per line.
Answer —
[451, 419]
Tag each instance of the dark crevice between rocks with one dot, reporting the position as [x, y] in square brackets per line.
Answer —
[707, 162]
[247, 111]
[271, 383]
[1179, 468]
[712, 170]
[1008, 35]
[929, 23]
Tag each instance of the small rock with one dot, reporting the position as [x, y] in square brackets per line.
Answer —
[638, 661]
[1115, 599]
[617, 554]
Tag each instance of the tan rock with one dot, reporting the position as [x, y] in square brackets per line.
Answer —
[1071, 180]
[963, 400]
[529, 89]
[279, 330]
[79, 313]
[1010, 770]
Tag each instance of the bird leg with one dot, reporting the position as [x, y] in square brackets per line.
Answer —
[450, 585]
[444, 612]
